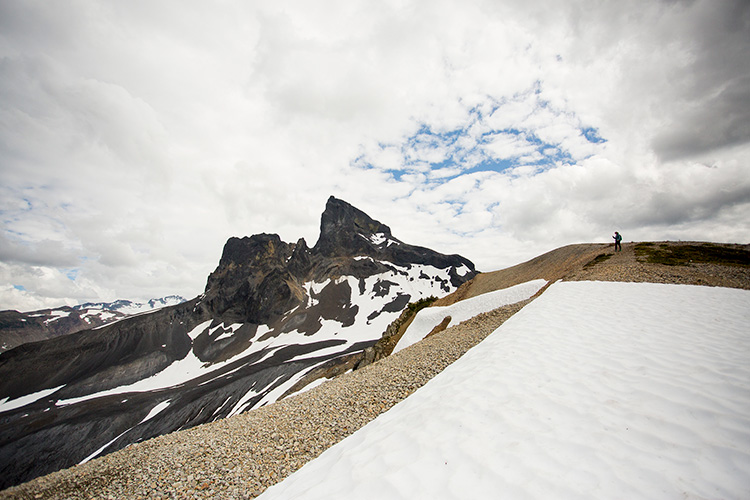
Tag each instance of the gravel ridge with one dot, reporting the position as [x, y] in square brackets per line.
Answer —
[625, 266]
[239, 457]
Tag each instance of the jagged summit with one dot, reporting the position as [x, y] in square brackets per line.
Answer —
[348, 231]
[260, 277]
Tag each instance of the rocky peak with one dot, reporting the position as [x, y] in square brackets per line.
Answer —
[300, 262]
[348, 231]
[254, 249]
[260, 277]
[250, 281]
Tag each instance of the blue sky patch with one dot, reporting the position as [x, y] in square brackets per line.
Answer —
[592, 135]
[478, 145]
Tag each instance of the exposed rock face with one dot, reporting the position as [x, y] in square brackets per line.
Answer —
[274, 317]
[251, 282]
[345, 230]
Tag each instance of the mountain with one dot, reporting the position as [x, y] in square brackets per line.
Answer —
[129, 307]
[273, 316]
[256, 450]
[18, 328]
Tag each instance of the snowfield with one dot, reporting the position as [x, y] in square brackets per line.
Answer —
[594, 390]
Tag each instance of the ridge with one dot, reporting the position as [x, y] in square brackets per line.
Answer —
[261, 447]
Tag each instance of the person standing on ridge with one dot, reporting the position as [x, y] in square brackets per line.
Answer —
[618, 239]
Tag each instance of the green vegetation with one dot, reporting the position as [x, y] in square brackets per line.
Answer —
[682, 255]
[596, 260]
[415, 307]
[384, 347]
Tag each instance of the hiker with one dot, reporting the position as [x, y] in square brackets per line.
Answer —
[618, 239]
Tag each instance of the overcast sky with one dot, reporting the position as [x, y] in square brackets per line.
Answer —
[136, 137]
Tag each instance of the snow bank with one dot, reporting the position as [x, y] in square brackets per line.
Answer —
[594, 390]
[7, 404]
[430, 317]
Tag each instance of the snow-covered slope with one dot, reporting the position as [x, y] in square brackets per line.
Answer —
[594, 390]
[427, 319]
[128, 307]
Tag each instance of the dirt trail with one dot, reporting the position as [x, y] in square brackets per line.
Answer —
[550, 266]
[577, 263]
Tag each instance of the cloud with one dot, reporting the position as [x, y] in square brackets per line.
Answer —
[43, 252]
[21, 300]
[135, 138]
[503, 146]
[713, 122]
[715, 100]
[31, 287]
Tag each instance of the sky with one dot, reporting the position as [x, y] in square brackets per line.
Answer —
[137, 137]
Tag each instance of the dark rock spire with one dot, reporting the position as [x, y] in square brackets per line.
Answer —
[348, 231]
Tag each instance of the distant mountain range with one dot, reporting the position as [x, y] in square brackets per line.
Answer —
[130, 307]
[18, 328]
[274, 316]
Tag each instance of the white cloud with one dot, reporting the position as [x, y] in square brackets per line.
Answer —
[135, 138]
[22, 300]
[505, 146]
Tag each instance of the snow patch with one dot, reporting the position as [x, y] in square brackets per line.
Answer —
[56, 315]
[314, 288]
[155, 411]
[227, 334]
[463, 270]
[8, 404]
[195, 332]
[100, 313]
[430, 317]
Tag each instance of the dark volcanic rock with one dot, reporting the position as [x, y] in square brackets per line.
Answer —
[18, 328]
[274, 316]
[348, 231]
[99, 359]
[251, 282]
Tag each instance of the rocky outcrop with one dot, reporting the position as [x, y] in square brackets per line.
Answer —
[252, 282]
[387, 342]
